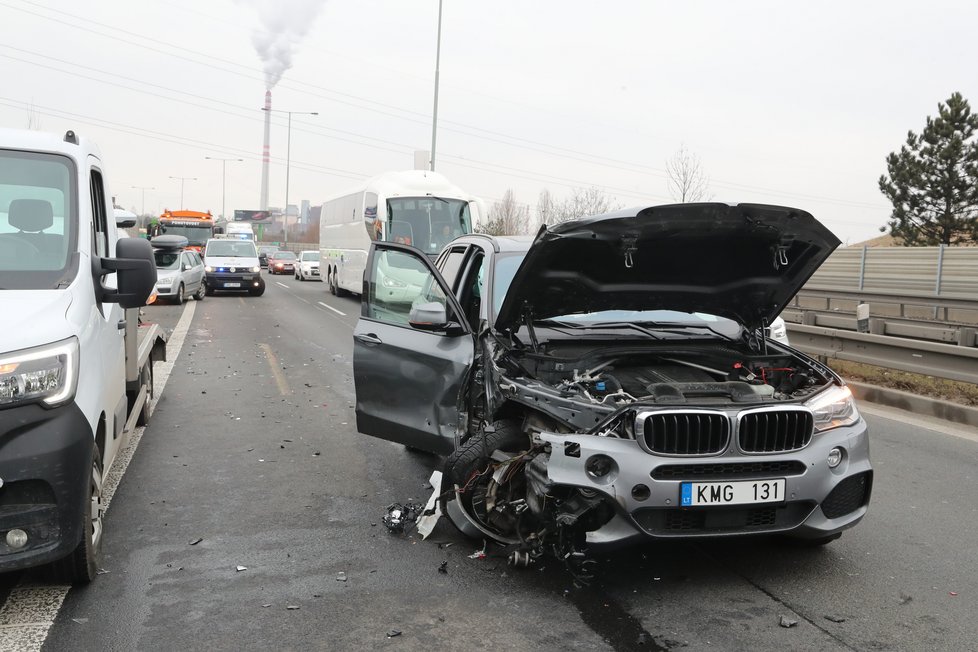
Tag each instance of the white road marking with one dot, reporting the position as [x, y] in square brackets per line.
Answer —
[925, 423]
[30, 609]
[338, 312]
[280, 283]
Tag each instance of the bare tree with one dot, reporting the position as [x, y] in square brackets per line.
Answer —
[508, 217]
[583, 201]
[546, 208]
[687, 181]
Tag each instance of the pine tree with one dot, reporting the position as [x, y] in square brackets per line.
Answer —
[933, 179]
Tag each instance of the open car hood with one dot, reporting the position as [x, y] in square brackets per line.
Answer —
[744, 262]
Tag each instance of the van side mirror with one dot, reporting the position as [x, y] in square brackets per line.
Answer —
[135, 268]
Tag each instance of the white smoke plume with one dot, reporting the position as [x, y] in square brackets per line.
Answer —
[282, 25]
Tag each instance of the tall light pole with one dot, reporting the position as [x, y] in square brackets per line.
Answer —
[224, 178]
[434, 113]
[288, 161]
[144, 189]
[181, 180]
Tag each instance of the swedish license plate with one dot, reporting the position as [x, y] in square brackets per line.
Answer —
[232, 285]
[743, 492]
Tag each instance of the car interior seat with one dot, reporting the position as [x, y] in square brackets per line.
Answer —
[31, 217]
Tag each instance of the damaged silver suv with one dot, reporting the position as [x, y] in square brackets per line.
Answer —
[610, 380]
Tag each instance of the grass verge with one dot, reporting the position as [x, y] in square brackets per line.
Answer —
[947, 390]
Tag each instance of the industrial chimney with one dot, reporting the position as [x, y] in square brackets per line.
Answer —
[264, 151]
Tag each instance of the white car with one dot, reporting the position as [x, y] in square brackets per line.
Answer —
[308, 267]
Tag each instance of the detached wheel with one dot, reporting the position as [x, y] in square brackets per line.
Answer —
[468, 468]
[81, 566]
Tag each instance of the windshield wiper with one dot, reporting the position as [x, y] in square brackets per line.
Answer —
[676, 327]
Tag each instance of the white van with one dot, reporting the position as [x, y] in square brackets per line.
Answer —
[232, 266]
[75, 368]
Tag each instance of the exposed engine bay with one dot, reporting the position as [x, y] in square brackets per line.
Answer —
[677, 375]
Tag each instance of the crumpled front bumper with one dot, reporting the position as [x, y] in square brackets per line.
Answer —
[819, 501]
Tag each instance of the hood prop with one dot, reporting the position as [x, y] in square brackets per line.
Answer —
[528, 321]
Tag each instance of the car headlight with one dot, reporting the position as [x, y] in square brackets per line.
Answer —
[208, 268]
[47, 373]
[256, 268]
[833, 408]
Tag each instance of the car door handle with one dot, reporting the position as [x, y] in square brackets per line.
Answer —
[368, 338]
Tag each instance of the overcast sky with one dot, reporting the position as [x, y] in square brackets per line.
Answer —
[789, 103]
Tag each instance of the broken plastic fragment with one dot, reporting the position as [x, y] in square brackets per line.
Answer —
[240, 568]
[784, 621]
[194, 542]
[835, 619]
[341, 577]
[432, 509]
[394, 632]
[443, 567]
[292, 607]
[480, 554]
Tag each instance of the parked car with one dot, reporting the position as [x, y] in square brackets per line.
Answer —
[179, 271]
[281, 262]
[232, 266]
[612, 381]
[263, 252]
[308, 266]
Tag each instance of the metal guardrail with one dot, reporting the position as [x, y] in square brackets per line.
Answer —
[928, 358]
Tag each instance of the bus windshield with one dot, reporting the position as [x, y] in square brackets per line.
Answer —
[428, 223]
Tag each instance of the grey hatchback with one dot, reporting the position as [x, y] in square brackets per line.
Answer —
[611, 380]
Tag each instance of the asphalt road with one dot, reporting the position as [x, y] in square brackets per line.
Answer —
[253, 450]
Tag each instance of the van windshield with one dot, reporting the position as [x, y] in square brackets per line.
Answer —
[230, 249]
[428, 223]
[38, 201]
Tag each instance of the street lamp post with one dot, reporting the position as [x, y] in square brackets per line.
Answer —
[144, 189]
[434, 113]
[181, 180]
[288, 161]
[224, 178]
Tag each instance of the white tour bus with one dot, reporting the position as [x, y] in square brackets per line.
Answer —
[415, 207]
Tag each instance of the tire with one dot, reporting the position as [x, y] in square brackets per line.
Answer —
[146, 378]
[209, 292]
[81, 566]
[472, 458]
[332, 283]
[178, 300]
[201, 292]
[473, 455]
[257, 292]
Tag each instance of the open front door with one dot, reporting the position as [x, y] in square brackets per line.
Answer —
[412, 351]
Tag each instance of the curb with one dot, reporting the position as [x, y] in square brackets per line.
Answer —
[922, 405]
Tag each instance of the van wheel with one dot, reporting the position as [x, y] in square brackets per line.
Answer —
[81, 566]
[332, 283]
[146, 378]
[257, 292]
[179, 298]
[201, 291]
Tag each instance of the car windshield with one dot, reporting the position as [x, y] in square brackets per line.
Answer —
[230, 249]
[37, 217]
[284, 255]
[167, 259]
[310, 256]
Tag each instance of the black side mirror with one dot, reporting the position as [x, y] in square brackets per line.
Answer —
[135, 269]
